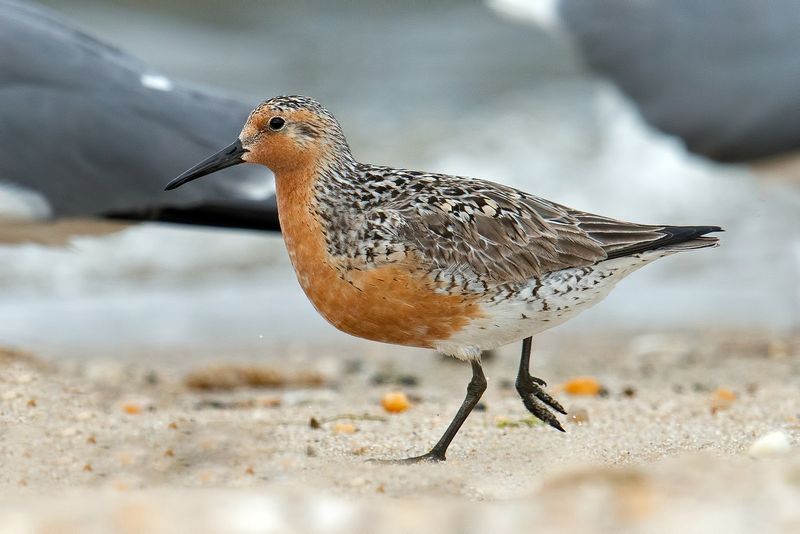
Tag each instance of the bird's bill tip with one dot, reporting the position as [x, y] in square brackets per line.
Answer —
[227, 157]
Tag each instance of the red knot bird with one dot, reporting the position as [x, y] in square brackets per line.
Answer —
[430, 260]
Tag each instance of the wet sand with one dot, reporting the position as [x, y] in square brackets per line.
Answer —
[143, 443]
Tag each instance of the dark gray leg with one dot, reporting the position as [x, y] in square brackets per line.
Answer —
[475, 389]
[535, 399]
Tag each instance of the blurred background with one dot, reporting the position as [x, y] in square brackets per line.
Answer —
[454, 86]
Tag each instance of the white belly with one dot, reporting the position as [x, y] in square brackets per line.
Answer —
[515, 313]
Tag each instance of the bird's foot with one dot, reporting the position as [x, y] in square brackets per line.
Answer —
[537, 400]
[433, 456]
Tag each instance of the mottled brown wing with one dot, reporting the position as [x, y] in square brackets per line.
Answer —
[469, 229]
[495, 232]
[505, 235]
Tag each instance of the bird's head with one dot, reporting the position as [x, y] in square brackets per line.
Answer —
[285, 133]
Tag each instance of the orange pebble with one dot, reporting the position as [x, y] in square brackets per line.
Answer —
[344, 428]
[583, 385]
[395, 402]
[724, 394]
[131, 409]
[722, 399]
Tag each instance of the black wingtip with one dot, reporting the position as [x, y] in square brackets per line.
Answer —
[703, 230]
[673, 235]
[679, 234]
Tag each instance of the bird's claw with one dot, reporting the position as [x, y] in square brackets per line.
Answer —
[537, 401]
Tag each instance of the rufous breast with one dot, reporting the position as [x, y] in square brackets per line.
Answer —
[393, 304]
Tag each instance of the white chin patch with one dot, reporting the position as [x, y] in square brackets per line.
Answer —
[22, 204]
[156, 82]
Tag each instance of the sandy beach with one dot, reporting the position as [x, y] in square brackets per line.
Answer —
[234, 443]
[174, 378]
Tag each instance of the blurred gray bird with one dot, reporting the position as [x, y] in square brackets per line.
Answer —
[90, 132]
[723, 75]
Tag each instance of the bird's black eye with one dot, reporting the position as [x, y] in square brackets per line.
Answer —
[276, 123]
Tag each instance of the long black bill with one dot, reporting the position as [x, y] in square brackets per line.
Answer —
[227, 157]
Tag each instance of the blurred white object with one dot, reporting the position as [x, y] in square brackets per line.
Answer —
[773, 443]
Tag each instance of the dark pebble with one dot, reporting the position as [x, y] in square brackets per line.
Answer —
[506, 383]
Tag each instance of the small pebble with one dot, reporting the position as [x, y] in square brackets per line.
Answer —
[583, 385]
[579, 416]
[395, 402]
[344, 428]
[136, 405]
[772, 443]
[131, 408]
[722, 399]
[408, 380]
[380, 379]
[506, 383]
[725, 394]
